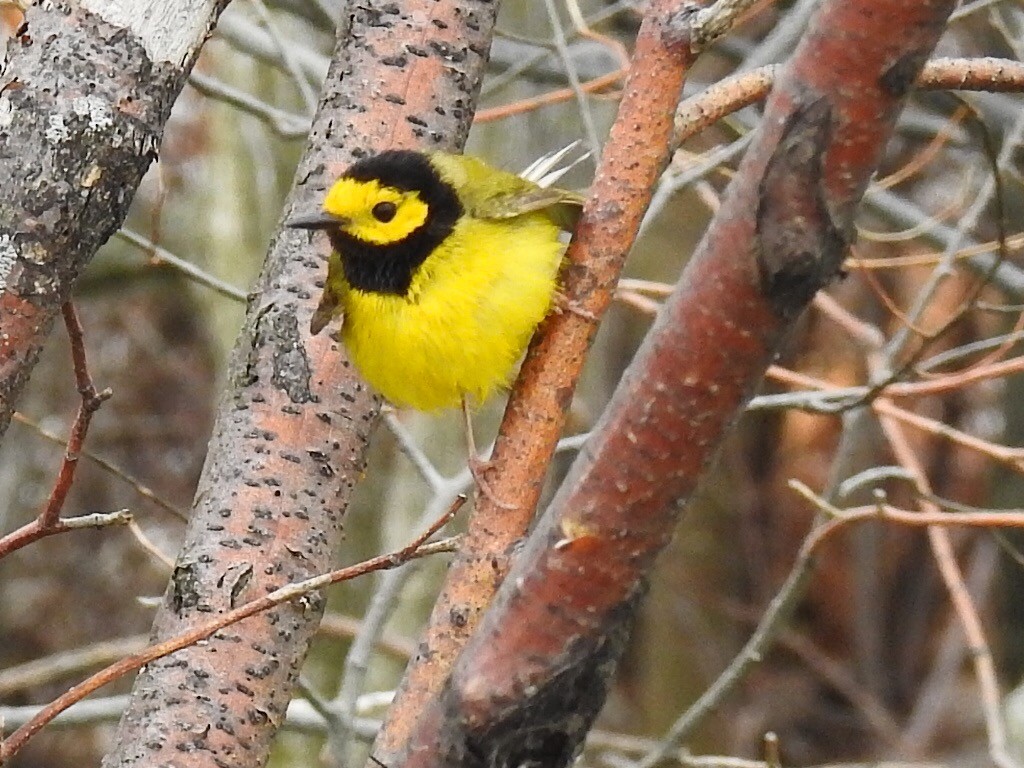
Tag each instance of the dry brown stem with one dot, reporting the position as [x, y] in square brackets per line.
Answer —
[11, 745]
[49, 521]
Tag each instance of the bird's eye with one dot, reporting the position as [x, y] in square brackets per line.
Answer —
[384, 212]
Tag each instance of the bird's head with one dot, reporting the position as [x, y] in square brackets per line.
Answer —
[384, 200]
[384, 217]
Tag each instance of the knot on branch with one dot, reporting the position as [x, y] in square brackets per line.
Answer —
[679, 27]
[799, 246]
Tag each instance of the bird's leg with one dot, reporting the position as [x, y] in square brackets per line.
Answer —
[478, 467]
[562, 303]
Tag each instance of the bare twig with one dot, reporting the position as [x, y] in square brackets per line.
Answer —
[58, 665]
[284, 124]
[942, 550]
[49, 521]
[158, 255]
[416, 549]
[286, 52]
[106, 465]
[582, 105]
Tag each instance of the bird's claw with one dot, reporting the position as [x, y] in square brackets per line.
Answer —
[478, 468]
[563, 303]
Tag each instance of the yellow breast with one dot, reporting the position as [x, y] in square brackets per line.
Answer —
[471, 310]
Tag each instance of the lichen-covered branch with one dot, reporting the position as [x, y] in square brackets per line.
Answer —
[84, 96]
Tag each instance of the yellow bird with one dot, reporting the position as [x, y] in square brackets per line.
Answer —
[442, 267]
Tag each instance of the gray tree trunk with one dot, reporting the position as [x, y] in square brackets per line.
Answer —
[85, 91]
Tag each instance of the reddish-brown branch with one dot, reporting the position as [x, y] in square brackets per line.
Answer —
[10, 746]
[535, 672]
[49, 523]
[635, 155]
[91, 401]
[733, 93]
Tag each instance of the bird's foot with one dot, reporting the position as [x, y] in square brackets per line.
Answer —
[479, 468]
[563, 303]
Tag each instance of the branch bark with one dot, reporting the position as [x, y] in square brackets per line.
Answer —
[85, 91]
[531, 679]
[635, 155]
[291, 433]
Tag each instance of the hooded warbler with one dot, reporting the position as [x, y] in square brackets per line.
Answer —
[442, 267]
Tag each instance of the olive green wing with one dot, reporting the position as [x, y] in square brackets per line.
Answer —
[489, 193]
[561, 205]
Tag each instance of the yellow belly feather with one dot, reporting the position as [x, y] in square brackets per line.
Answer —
[472, 308]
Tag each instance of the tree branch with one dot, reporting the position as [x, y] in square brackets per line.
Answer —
[635, 155]
[92, 138]
[531, 679]
[290, 436]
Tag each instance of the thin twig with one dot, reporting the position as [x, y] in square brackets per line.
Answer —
[91, 401]
[582, 105]
[791, 591]
[286, 51]
[952, 577]
[36, 530]
[143, 490]
[48, 669]
[285, 124]
[596, 85]
[49, 522]
[416, 549]
[301, 716]
[158, 255]
[382, 603]
[946, 266]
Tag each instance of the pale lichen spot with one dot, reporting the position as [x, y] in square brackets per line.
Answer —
[8, 258]
[56, 132]
[6, 112]
[95, 109]
[92, 108]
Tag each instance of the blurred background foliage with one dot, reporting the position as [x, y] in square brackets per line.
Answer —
[873, 667]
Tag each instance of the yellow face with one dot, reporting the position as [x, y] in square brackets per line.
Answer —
[375, 213]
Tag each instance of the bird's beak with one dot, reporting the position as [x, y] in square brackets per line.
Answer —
[319, 220]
